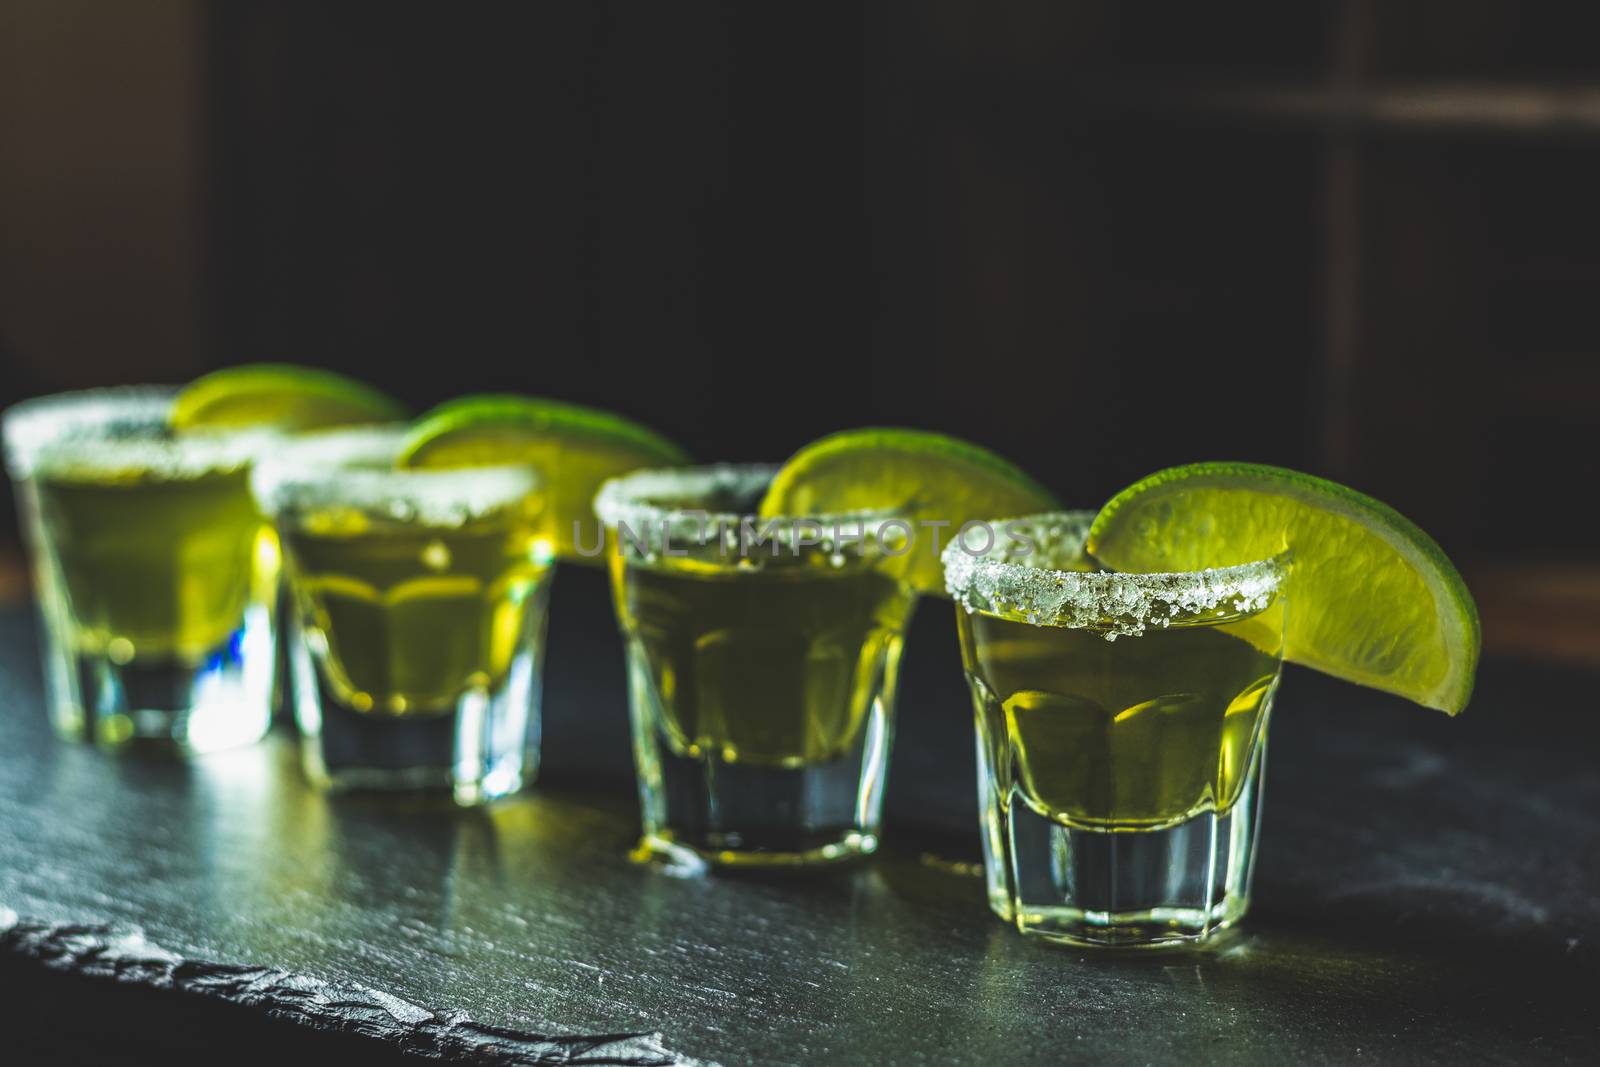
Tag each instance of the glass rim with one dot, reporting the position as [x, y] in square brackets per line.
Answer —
[651, 513]
[999, 581]
[629, 497]
[118, 429]
[324, 469]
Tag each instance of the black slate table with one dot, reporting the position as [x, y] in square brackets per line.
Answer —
[1429, 891]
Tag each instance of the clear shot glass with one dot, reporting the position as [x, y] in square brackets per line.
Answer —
[155, 574]
[1121, 734]
[762, 658]
[417, 636]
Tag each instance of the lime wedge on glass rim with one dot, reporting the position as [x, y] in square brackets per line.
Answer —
[575, 448]
[1371, 598]
[281, 395]
[920, 476]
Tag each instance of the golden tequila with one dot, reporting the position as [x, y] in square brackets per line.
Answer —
[1136, 732]
[419, 618]
[155, 566]
[762, 661]
[1121, 728]
[775, 666]
[406, 617]
[156, 573]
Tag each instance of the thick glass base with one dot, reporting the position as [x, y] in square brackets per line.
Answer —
[837, 849]
[165, 706]
[1127, 887]
[484, 748]
[701, 811]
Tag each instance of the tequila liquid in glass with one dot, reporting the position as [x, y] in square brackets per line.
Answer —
[778, 667]
[761, 683]
[1138, 732]
[156, 574]
[420, 607]
[155, 567]
[404, 618]
[418, 647]
[1121, 730]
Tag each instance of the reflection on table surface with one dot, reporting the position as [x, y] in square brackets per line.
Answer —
[1425, 885]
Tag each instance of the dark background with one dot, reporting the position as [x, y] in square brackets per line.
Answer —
[1356, 238]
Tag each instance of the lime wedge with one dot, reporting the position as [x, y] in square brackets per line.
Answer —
[922, 476]
[280, 394]
[575, 448]
[1372, 599]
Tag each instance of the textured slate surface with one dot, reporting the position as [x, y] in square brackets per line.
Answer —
[1429, 892]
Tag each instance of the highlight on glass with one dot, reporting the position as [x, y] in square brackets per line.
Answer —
[1121, 735]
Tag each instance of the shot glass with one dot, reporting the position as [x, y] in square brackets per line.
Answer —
[155, 574]
[417, 635]
[762, 658]
[1121, 734]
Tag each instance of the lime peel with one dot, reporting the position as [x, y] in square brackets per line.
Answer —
[285, 395]
[880, 440]
[920, 476]
[575, 448]
[454, 432]
[1372, 598]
